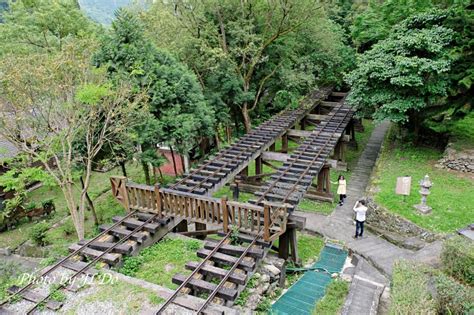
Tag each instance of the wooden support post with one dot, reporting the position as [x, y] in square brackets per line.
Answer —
[258, 167]
[272, 147]
[303, 124]
[159, 204]
[200, 227]
[283, 245]
[236, 190]
[181, 226]
[293, 245]
[342, 151]
[320, 186]
[327, 176]
[225, 214]
[284, 143]
[245, 172]
[266, 222]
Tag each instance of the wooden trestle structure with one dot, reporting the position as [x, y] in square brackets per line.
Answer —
[153, 211]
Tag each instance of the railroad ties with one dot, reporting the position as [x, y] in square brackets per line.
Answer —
[126, 236]
[224, 271]
[295, 176]
[215, 172]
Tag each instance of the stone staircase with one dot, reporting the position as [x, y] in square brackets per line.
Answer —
[366, 288]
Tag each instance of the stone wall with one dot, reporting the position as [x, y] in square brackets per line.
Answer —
[462, 161]
[396, 229]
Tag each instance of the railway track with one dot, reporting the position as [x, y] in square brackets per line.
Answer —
[230, 265]
[123, 237]
[298, 172]
[294, 178]
[213, 173]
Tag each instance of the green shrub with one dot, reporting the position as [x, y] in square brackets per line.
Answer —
[410, 293]
[68, 228]
[453, 297]
[458, 259]
[38, 233]
[30, 206]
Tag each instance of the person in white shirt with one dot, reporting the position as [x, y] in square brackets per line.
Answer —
[360, 210]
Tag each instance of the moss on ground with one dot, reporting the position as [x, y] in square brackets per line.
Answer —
[160, 262]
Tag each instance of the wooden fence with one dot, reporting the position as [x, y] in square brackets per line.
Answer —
[270, 221]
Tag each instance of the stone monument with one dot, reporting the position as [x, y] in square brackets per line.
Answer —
[425, 185]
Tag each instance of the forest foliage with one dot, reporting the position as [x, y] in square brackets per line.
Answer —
[187, 74]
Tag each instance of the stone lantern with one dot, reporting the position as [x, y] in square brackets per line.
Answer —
[425, 185]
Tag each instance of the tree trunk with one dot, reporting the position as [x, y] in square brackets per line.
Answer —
[183, 164]
[161, 175]
[146, 171]
[90, 204]
[246, 117]
[155, 178]
[78, 224]
[174, 161]
[122, 166]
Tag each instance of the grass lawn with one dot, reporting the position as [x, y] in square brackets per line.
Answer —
[452, 196]
[64, 233]
[334, 298]
[160, 262]
[352, 157]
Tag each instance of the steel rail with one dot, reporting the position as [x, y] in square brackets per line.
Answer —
[195, 271]
[59, 263]
[292, 115]
[96, 259]
[227, 275]
[219, 156]
[322, 129]
[312, 161]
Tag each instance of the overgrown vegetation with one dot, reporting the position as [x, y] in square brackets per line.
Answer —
[160, 262]
[38, 233]
[420, 289]
[410, 294]
[333, 299]
[458, 259]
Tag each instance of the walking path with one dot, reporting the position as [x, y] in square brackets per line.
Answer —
[368, 282]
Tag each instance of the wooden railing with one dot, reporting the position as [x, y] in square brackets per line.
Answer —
[249, 218]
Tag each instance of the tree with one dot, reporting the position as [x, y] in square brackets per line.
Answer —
[375, 21]
[42, 25]
[49, 102]
[180, 114]
[404, 77]
[241, 41]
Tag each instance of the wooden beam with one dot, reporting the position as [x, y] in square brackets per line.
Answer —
[275, 156]
[226, 259]
[316, 117]
[200, 232]
[216, 272]
[338, 94]
[299, 133]
[201, 285]
[330, 104]
[235, 250]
